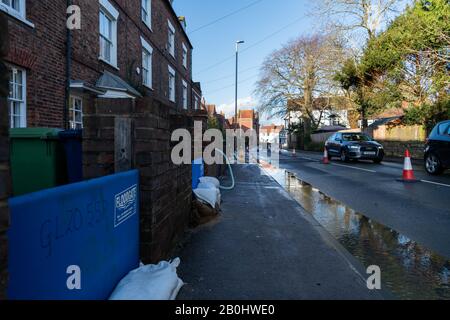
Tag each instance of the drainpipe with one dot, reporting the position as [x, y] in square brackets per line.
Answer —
[68, 73]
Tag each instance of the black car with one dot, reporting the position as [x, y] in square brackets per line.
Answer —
[437, 150]
[354, 146]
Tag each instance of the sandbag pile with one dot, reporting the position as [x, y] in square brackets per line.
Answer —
[206, 205]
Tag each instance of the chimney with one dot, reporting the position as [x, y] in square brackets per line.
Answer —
[182, 20]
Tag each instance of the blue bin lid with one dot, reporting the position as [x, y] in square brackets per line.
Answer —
[71, 134]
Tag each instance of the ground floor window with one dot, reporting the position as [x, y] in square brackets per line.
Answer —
[17, 98]
[76, 113]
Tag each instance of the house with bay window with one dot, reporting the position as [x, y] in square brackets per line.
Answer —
[124, 49]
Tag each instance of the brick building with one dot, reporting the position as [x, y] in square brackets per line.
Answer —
[248, 119]
[124, 49]
[130, 63]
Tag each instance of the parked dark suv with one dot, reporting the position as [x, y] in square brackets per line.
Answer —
[354, 146]
[437, 150]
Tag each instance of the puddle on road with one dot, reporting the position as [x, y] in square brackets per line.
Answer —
[409, 270]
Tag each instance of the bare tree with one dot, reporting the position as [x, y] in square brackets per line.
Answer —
[352, 16]
[293, 77]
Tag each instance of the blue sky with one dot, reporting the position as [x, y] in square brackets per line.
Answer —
[256, 25]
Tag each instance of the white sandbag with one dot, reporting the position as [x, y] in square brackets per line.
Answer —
[209, 185]
[151, 282]
[212, 180]
[206, 185]
[209, 196]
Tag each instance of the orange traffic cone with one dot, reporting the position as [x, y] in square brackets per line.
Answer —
[325, 159]
[408, 172]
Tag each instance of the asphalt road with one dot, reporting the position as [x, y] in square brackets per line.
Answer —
[420, 211]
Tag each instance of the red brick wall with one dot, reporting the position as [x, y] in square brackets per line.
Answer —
[88, 67]
[166, 189]
[42, 50]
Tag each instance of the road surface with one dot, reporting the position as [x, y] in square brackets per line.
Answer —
[419, 211]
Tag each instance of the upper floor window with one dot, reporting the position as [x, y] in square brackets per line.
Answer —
[17, 98]
[171, 84]
[185, 56]
[185, 95]
[76, 113]
[14, 7]
[147, 55]
[171, 39]
[196, 103]
[147, 12]
[108, 32]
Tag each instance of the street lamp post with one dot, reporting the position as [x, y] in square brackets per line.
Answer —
[236, 88]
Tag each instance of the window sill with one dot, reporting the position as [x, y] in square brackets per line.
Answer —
[109, 63]
[15, 15]
[148, 87]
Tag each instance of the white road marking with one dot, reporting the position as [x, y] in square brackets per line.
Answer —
[436, 183]
[356, 168]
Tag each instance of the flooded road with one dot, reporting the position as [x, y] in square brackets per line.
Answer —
[409, 270]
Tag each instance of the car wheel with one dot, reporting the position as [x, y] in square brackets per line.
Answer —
[433, 164]
[378, 160]
[344, 156]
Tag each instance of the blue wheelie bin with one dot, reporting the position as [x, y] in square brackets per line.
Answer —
[72, 141]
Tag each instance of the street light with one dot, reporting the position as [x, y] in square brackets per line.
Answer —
[237, 71]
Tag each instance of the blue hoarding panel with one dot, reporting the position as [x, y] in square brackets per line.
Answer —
[198, 171]
[74, 242]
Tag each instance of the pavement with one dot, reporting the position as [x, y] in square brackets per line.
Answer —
[265, 246]
[419, 211]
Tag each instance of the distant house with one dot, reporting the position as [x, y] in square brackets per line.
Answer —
[222, 121]
[331, 111]
[248, 119]
[272, 134]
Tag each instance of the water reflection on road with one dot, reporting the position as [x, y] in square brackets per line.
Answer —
[409, 270]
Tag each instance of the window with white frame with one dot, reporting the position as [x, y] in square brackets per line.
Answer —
[146, 8]
[17, 98]
[185, 95]
[196, 103]
[76, 113]
[171, 39]
[108, 32]
[14, 7]
[147, 58]
[171, 84]
[185, 56]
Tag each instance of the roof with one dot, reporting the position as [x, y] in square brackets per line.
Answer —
[384, 121]
[112, 82]
[211, 108]
[82, 85]
[246, 114]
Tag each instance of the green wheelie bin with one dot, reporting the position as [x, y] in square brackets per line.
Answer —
[38, 160]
